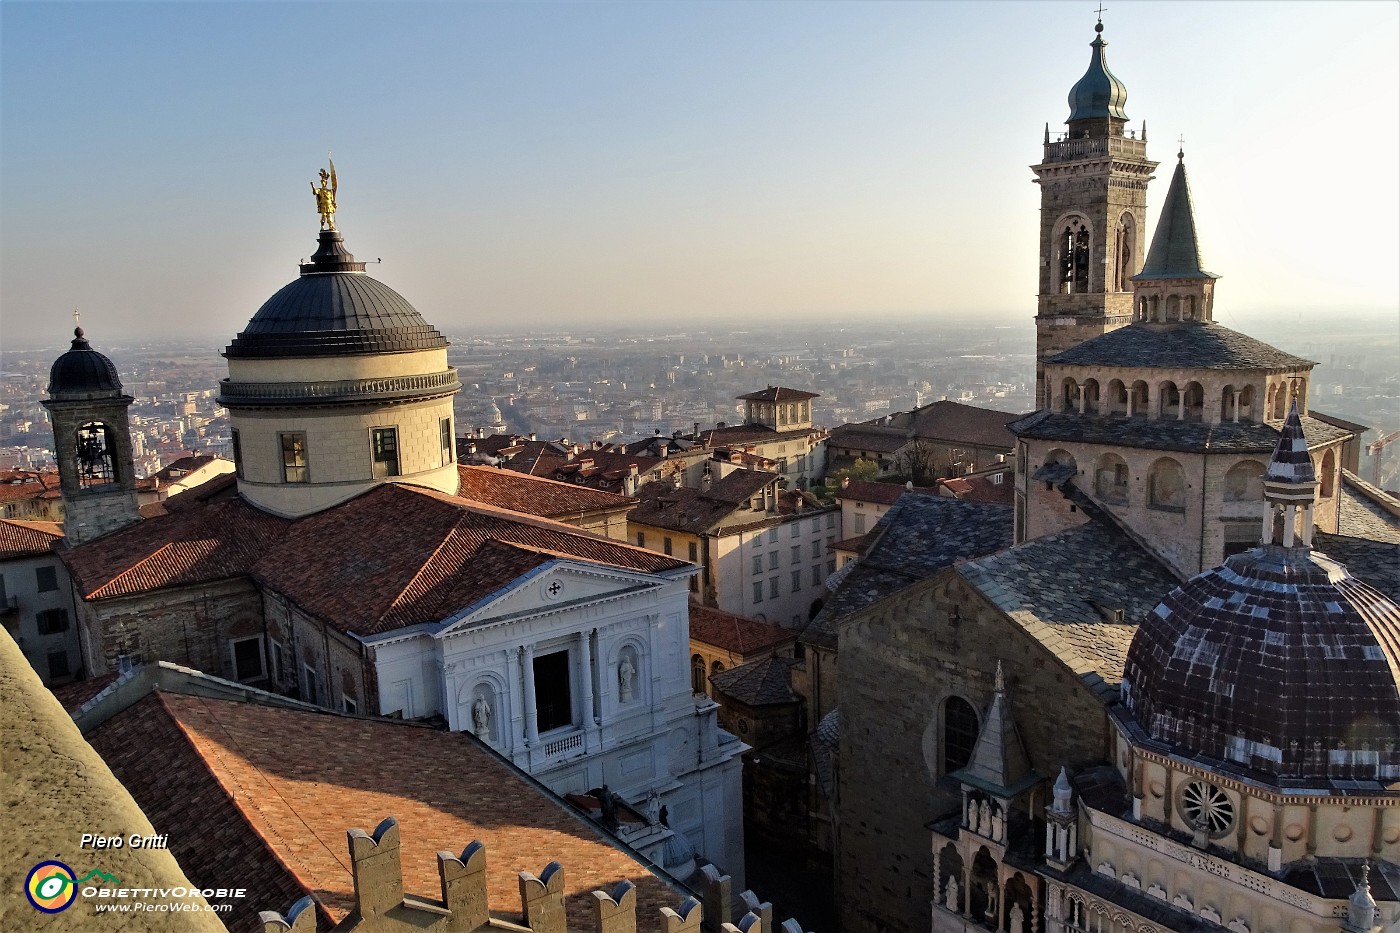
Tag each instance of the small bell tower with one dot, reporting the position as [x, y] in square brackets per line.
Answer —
[92, 440]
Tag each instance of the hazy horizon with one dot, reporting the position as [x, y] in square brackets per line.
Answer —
[557, 167]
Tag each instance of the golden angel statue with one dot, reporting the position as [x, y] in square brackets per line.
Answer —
[325, 197]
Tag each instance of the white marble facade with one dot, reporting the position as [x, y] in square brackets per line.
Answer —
[579, 674]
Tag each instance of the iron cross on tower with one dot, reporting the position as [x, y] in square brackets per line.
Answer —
[1100, 11]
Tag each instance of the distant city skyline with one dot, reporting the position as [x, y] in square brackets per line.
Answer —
[577, 166]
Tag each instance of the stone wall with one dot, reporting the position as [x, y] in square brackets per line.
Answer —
[899, 662]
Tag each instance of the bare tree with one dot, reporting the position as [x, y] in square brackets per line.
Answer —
[919, 460]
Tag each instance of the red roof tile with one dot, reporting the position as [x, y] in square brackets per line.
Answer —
[533, 495]
[734, 633]
[20, 538]
[27, 484]
[262, 797]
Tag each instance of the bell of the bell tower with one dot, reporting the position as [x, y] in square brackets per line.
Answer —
[1093, 215]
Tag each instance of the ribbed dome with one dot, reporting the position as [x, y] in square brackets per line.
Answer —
[1278, 660]
[82, 371]
[1099, 94]
[334, 309]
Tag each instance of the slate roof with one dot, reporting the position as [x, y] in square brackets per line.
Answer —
[1175, 252]
[881, 440]
[765, 682]
[261, 797]
[1362, 514]
[1185, 345]
[957, 423]
[1168, 433]
[693, 510]
[22, 539]
[778, 394]
[734, 633]
[1290, 462]
[1049, 587]
[533, 495]
[916, 538]
[1375, 563]
[83, 372]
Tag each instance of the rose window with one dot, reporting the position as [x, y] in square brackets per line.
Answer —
[1207, 808]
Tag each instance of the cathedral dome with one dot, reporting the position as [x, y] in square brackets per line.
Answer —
[82, 372]
[334, 309]
[1099, 94]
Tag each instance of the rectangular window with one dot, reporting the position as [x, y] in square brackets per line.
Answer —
[52, 621]
[553, 695]
[758, 539]
[797, 581]
[445, 434]
[347, 705]
[279, 662]
[772, 535]
[758, 591]
[831, 519]
[860, 523]
[247, 658]
[384, 448]
[772, 587]
[830, 542]
[46, 578]
[796, 553]
[310, 686]
[294, 457]
[58, 665]
[666, 546]
[237, 454]
[816, 575]
[796, 530]
[641, 539]
[694, 552]
[758, 563]
[817, 548]
[772, 560]
[831, 566]
[695, 584]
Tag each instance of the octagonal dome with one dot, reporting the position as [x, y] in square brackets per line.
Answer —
[1278, 660]
[332, 309]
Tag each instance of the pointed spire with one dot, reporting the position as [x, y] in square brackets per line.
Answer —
[1063, 792]
[999, 761]
[1290, 463]
[1175, 252]
[1361, 906]
[1047, 134]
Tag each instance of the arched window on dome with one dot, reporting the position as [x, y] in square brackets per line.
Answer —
[1069, 395]
[1090, 392]
[1111, 479]
[960, 730]
[1192, 402]
[1074, 257]
[1327, 475]
[1168, 400]
[96, 460]
[1246, 404]
[1280, 403]
[1138, 401]
[1245, 482]
[1166, 486]
[1117, 400]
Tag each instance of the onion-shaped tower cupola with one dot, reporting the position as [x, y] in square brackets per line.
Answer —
[1096, 101]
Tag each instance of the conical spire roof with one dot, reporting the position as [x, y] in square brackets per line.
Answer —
[1290, 462]
[1175, 251]
[1099, 94]
[999, 762]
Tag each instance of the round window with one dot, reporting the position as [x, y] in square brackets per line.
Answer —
[1206, 808]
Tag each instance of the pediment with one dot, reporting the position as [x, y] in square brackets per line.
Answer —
[555, 586]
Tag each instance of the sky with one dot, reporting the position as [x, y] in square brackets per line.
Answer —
[576, 166]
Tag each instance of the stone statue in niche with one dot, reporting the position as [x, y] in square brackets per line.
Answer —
[1016, 920]
[984, 819]
[653, 807]
[626, 674]
[951, 896]
[998, 825]
[481, 717]
[993, 895]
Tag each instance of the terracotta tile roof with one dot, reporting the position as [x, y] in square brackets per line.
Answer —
[750, 434]
[778, 394]
[196, 541]
[208, 771]
[980, 487]
[878, 493]
[20, 538]
[957, 423]
[692, 510]
[27, 484]
[534, 495]
[79, 692]
[734, 633]
[401, 555]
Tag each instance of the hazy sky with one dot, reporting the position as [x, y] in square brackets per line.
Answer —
[579, 164]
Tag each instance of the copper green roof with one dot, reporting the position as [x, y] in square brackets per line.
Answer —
[1175, 252]
[1099, 94]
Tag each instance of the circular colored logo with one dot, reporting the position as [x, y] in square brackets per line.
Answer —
[50, 887]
